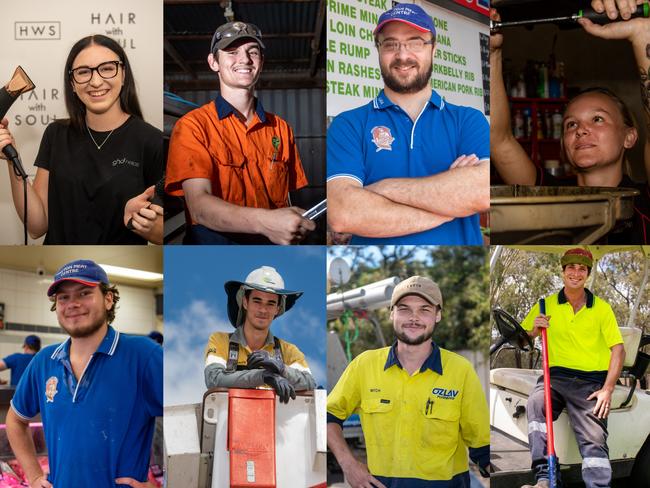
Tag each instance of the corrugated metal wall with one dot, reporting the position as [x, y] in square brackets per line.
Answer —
[304, 110]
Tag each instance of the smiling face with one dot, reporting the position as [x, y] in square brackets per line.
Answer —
[404, 71]
[574, 276]
[414, 319]
[80, 309]
[239, 65]
[594, 133]
[99, 95]
[261, 308]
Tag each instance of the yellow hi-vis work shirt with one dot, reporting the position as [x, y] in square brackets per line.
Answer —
[217, 350]
[582, 340]
[416, 427]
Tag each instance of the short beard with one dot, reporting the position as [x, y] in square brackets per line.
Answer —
[413, 341]
[85, 331]
[420, 82]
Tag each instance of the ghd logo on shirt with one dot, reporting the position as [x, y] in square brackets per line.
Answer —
[123, 161]
[444, 394]
[50, 389]
[382, 138]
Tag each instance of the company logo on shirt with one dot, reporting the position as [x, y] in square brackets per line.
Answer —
[444, 394]
[50, 389]
[123, 161]
[382, 138]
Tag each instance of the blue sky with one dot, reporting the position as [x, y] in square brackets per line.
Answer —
[195, 307]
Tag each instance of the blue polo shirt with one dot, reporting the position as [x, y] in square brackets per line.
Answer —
[379, 140]
[17, 363]
[101, 427]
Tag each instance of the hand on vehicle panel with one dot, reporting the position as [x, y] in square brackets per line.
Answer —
[281, 386]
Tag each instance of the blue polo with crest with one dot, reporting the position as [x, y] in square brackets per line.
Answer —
[100, 427]
[417, 427]
[379, 141]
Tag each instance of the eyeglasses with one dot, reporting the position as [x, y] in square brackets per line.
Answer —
[235, 29]
[412, 45]
[106, 70]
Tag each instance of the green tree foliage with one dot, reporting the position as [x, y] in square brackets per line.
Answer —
[461, 272]
[520, 278]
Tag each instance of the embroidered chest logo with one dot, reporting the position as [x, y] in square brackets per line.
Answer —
[127, 162]
[50, 388]
[382, 138]
[445, 394]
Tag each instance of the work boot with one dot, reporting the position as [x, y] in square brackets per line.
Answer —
[539, 484]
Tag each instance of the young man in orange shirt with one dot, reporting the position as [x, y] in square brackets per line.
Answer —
[234, 163]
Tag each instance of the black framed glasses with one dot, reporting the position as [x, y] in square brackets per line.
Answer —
[106, 70]
[412, 45]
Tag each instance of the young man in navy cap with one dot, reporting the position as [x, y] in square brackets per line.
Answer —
[18, 362]
[408, 167]
[98, 393]
[586, 354]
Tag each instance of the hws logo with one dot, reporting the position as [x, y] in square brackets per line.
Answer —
[37, 31]
[445, 394]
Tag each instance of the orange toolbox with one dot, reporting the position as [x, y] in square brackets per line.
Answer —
[251, 438]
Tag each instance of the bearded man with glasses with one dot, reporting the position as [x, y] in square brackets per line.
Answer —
[233, 162]
[409, 167]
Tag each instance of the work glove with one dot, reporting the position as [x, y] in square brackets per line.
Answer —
[262, 359]
[281, 386]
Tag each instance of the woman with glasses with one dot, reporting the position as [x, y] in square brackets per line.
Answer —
[96, 170]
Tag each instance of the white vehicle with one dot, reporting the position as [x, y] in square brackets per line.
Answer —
[628, 422]
[201, 445]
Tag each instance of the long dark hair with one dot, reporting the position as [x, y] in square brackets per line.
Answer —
[128, 97]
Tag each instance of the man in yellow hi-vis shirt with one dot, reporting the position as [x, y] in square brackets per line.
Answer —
[420, 406]
[585, 353]
[251, 356]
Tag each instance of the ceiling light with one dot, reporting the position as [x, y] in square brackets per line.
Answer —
[135, 274]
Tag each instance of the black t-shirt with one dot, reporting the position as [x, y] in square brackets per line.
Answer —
[635, 232]
[88, 188]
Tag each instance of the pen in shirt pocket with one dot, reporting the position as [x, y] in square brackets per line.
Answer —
[428, 407]
[276, 145]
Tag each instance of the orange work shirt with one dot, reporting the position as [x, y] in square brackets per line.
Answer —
[251, 166]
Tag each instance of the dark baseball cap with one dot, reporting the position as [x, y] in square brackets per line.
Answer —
[81, 271]
[228, 33]
[33, 342]
[410, 14]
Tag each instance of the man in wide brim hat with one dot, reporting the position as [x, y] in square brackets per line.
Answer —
[251, 356]
[265, 279]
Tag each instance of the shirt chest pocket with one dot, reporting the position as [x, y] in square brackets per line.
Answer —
[276, 177]
[230, 176]
[378, 421]
[440, 425]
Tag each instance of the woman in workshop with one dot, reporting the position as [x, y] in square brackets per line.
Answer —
[96, 170]
[597, 127]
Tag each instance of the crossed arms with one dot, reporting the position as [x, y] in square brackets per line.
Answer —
[401, 206]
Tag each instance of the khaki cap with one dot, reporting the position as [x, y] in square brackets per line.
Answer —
[417, 285]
